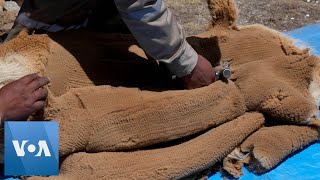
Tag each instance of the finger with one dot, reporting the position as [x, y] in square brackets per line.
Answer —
[38, 83]
[28, 78]
[39, 105]
[40, 94]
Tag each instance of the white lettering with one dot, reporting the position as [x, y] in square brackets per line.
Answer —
[19, 149]
[43, 147]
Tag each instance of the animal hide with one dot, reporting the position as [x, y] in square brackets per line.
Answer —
[148, 129]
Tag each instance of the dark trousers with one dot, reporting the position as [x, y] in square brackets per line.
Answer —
[102, 15]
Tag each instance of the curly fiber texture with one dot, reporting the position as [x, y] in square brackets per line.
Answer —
[223, 12]
[277, 79]
[16, 59]
[133, 118]
[271, 80]
[106, 120]
[284, 141]
[165, 163]
[107, 131]
[267, 147]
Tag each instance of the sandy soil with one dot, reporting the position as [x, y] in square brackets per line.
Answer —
[283, 15]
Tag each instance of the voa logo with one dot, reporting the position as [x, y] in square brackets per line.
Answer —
[31, 148]
[41, 148]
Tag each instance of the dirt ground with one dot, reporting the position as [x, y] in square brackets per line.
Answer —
[283, 15]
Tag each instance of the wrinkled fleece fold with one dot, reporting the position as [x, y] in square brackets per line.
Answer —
[106, 132]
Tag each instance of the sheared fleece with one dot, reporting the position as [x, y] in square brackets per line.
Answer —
[268, 146]
[105, 118]
[106, 131]
[164, 163]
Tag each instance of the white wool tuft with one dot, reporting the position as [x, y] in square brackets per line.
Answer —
[314, 87]
[12, 67]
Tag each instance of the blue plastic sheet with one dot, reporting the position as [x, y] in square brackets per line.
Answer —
[305, 165]
[302, 166]
[308, 36]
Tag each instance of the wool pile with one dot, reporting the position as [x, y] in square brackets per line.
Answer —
[122, 117]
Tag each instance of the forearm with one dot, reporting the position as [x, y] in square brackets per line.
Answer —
[159, 34]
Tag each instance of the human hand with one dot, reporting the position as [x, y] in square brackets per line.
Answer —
[21, 98]
[202, 75]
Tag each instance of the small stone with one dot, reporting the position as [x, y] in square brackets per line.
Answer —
[11, 6]
[6, 27]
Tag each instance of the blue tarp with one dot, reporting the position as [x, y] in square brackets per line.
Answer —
[305, 165]
[308, 36]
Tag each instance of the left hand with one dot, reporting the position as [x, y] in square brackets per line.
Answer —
[20, 99]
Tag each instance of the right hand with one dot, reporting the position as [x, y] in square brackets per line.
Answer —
[202, 75]
[20, 99]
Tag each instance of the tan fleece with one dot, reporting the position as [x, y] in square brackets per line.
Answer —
[77, 67]
[165, 163]
[2, 3]
[18, 59]
[267, 147]
[270, 75]
[104, 118]
[279, 87]
[223, 11]
[95, 119]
